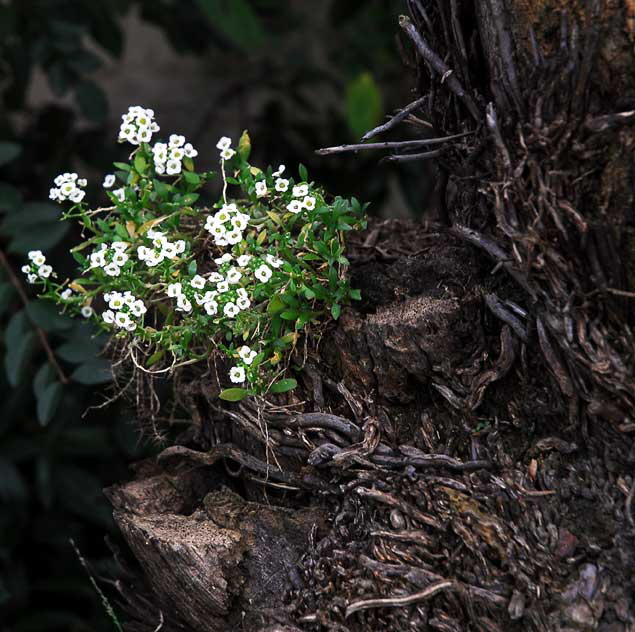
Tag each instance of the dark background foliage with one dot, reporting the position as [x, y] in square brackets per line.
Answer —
[298, 74]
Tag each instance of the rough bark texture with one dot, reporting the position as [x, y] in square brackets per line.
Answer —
[459, 454]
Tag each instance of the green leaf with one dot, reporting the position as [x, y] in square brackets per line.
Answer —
[124, 166]
[303, 173]
[47, 317]
[233, 394]
[48, 402]
[32, 214]
[92, 101]
[191, 178]
[236, 20]
[8, 152]
[43, 378]
[335, 310]
[97, 371]
[356, 295]
[140, 163]
[283, 386]
[244, 145]
[289, 314]
[41, 237]
[276, 304]
[155, 357]
[191, 268]
[363, 104]
[16, 359]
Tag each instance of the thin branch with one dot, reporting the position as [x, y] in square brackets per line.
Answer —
[40, 332]
[438, 65]
[426, 155]
[396, 119]
[403, 144]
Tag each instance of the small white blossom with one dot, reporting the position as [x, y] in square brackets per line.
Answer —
[173, 167]
[109, 180]
[281, 185]
[183, 304]
[174, 290]
[108, 316]
[224, 143]
[66, 294]
[31, 278]
[274, 262]
[300, 190]
[37, 257]
[222, 287]
[225, 258]
[295, 206]
[237, 375]
[230, 310]
[137, 125]
[234, 236]
[120, 194]
[211, 307]
[120, 258]
[54, 194]
[176, 140]
[243, 303]
[198, 282]
[246, 354]
[138, 308]
[279, 171]
[261, 189]
[77, 195]
[112, 269]
[233, 275]
[309, 203]
[142, 253]
[189, 151]
[226, 154]
[215, 277]
[123, 320]
[243, 260]
[119, 245]
[263, 273]
[179, 245]
[44, 271]
[240, 221]
[87, 311]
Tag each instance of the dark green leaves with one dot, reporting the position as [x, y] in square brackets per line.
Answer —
[236, 20]
[95, 371]
[282, 386]
[363, 104]
[233, 394]
[92, 101]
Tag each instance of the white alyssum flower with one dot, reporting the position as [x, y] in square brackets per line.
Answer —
[237, 374]
[234, 236]
[137, 125]
[176, 140]
[243, 260]
[31, 278]
[281, 185]
[174, 290]
[215, 277]
[66, 294]
[300, 190]
[230, 310]
[225, 258]
[108, 316]
[279, 171]
[261, 189]
[112, 269]
[45, 271]
[263, 273]
[224, 143]
[120, 258]
[138, 307]
[211, 307]
[227, 154]
[37, 257]
[247, 354]
[120, 194]
[189, 151]
[87, 311]
[295, 206]
[240, 221]
[183, 303]
[119, 245]
[222, 287]
[109, 180]
[69, 187]
[123, 320]
[274, 262]
[233, 275]
[243, 303]
[197, 282]
[309, 202]
[173, 167]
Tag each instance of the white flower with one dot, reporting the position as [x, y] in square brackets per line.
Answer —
[143, 252]
[183, 304]
[309, 203]
[243, 260]
[263, 273]
[300, 190]
[26, 268]
[120, 194]
[138, 308]
[224, 143]
[98, 259]
[176, 140]
[189, 151]
[120, 258]
[122, 320]
[261, 188]
[274, 262]
[237, 375]
[295, 206]
[37, 257]
[198, 282]
[214, 228]
[144, 135]
[222, 216]
[222, 287]
[87, 311]
[77, 196]
[176, 153]
[211, 307]
[128, 298]
[230, 310]
[137, 125]
[109, 180]
[169, 251]
[279, 172]
[31, 278]
[59, 180]
[233, 275]
[243, 303]
[159, 149]
[179, 246]
[108, 316]
[114, 300]
[44, 271]
[234, 236]
[225, 258]
[82, 182]
[281, 185]
[215, 277]
[242, 292]
[119, 245]
[226, 154]
[54, 194]
[66, 294]
[246, 354]
[174, 290]
[240, 221]
[112, 269]
[173, 167]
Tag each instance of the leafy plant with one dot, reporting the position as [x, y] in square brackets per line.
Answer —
[244, 277]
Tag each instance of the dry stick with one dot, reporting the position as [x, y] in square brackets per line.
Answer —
[426, 155]
[25, 300]
[392, 602]
[402, 144]
[437, 64]
[396, 119]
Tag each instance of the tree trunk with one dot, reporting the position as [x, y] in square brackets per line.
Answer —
[459, 454]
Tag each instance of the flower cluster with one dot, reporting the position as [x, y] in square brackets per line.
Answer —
[124, 308]
[38, 268]
[160, 249]
[168, 156]
[137, 125]
[68, 186]
[110, 259]
[227, 225]
[273, 266]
